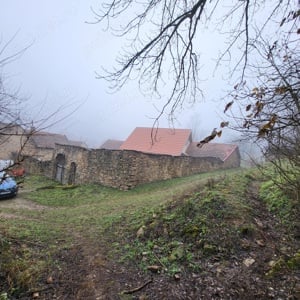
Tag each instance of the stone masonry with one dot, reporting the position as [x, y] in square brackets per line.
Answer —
[123, 169]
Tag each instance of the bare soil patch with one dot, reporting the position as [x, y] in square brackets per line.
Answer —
[19, 202]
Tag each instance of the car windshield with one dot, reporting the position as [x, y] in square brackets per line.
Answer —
[7, 183]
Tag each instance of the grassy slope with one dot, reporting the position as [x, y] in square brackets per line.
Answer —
[31, 238]
[216, 220]
[184, 220]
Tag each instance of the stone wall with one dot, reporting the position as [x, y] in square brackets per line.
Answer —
[79, 156]
[124, 169]
[38, 167]
[136, 168]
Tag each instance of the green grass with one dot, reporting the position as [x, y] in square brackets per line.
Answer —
[188, 229]
[94, 208]
[49, 193]
[280, 201]
[185, 220]
[89, 213]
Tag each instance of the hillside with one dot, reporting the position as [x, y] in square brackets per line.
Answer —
[224, 235]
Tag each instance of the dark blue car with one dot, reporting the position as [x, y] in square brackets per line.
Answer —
[8, 186]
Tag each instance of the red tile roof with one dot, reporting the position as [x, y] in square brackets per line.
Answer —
[158, 141]
[222, 151]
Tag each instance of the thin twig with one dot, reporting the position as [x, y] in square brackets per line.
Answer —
[137, 288]
[163, 265]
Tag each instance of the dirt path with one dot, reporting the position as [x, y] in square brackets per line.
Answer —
[19, 202]
[84, 274]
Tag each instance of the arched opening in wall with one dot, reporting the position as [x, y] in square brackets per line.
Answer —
[72, 173]
[60, 162]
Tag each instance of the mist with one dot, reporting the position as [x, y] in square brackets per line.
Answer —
[58, 73]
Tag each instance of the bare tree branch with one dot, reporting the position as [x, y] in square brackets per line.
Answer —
[166, 41]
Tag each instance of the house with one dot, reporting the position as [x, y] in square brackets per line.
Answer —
[165, 141]
[12, 136]
[174, 142]
[228, 153]
[39, 145]
[112, 145]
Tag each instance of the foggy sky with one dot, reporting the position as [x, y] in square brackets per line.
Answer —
[58, 70]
